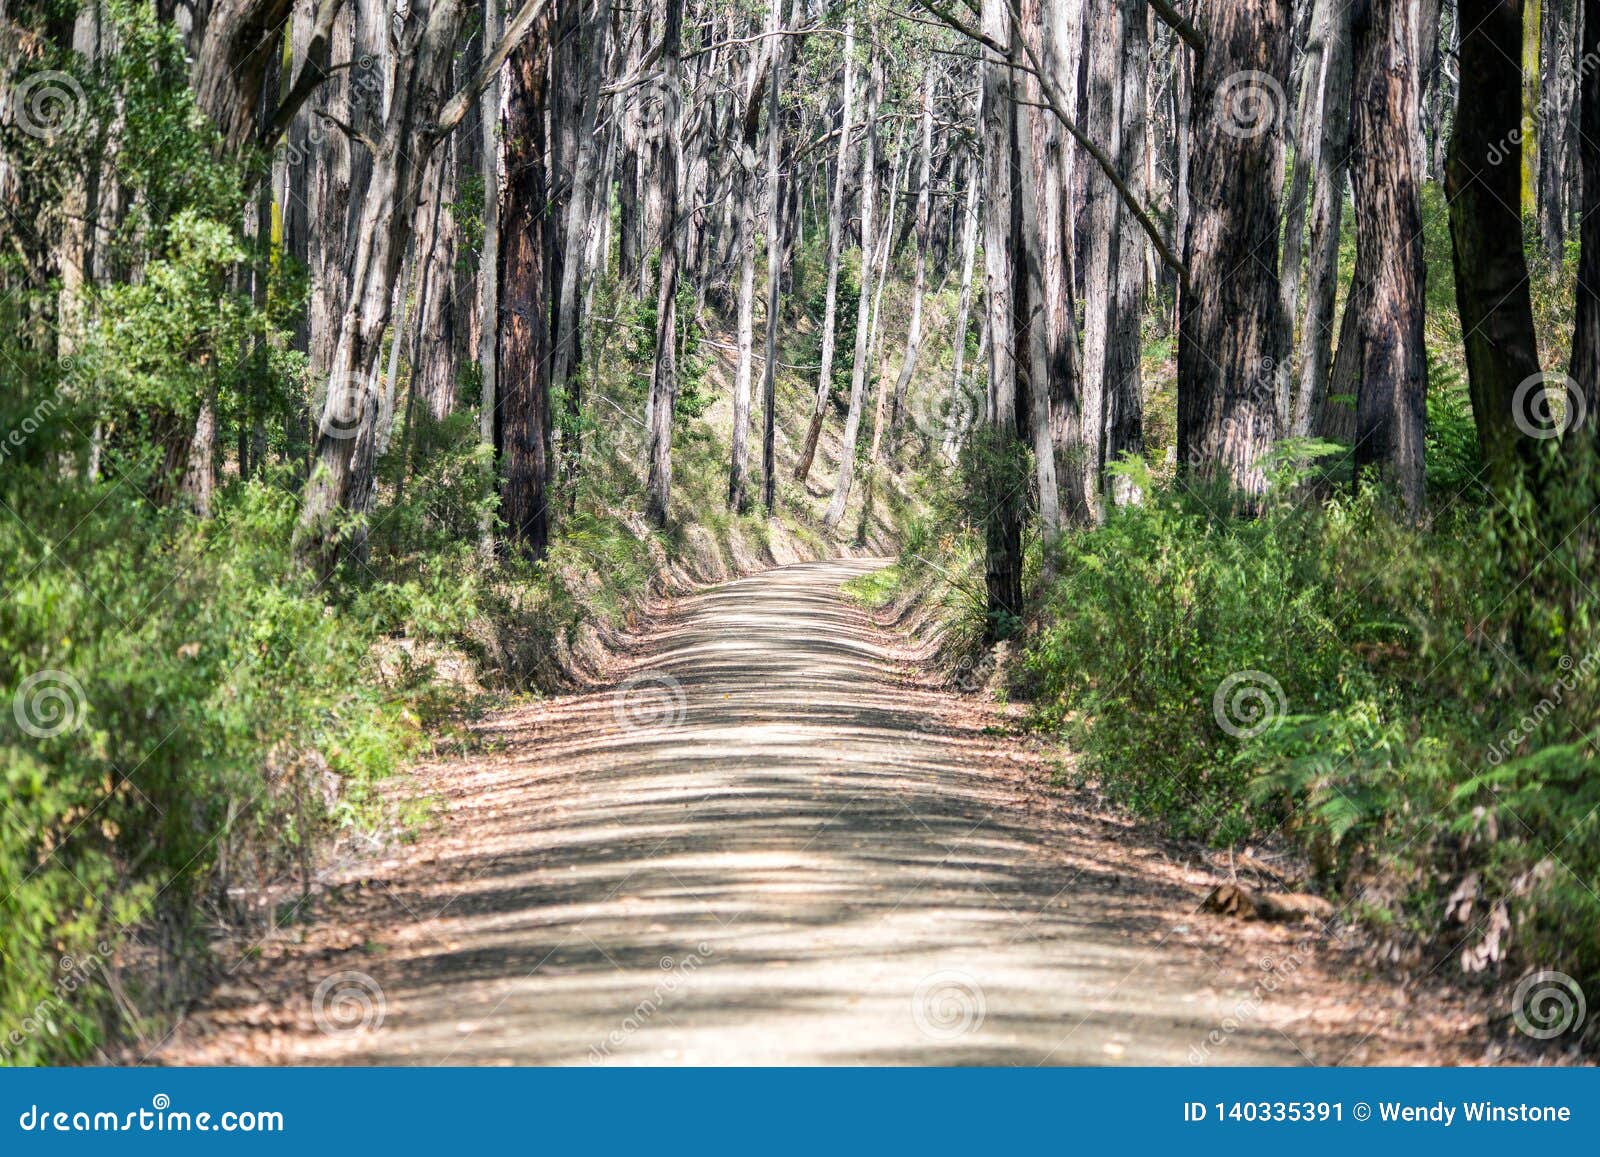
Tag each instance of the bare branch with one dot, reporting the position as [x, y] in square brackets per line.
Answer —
[456, 107]
[1176, 21]
[1052, 96]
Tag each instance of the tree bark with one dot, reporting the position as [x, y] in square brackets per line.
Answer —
[1391, 403]
[836, 224]
[858, 372]
[956, 416]
[1102, 235]
[344, 458]
[919, 277]
[1482, 183]
[1123, 425]
[567, 354]
[1332, 29]
[664, 381]
[1035, 331]
[1585, 366]
[489, 256]
[1231, 328]
[524, 426]
[1003, 524]
[744, 222]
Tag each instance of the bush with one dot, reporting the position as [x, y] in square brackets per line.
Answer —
[1413, 707]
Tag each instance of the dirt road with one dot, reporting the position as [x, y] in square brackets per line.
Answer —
[772, 843]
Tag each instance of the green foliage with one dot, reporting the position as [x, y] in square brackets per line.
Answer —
[184, 707]
[1414, 707]
[1451, 452]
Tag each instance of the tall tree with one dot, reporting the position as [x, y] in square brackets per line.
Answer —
[1231, 330]
[858, 370]
[781, 46]
[836, 223]
[524, 421]
[1391, 404]
[1482, 183]
[664, 381]
[1003, 520]
[1585, 367]
[1329, 166]
[919, 276]
[744, 214]
[1123, 399]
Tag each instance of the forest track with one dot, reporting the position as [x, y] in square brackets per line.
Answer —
[773, 841]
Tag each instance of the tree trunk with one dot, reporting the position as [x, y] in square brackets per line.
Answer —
[344, 459]
[1482, 181]
[858, 372]
[567, 353]
[957, 415]
[237, 48]
[1554, 113]
[1035, 331]
[1063, 23]
[1391, 404]
[1332, 29]
[744, 222]
[664, 381]
[1231, 328]
[836, 223]
[524, 425]
[1123, 425]
[919, 277]
[1003, 525]
[1102, 234]
[769, 370]
[1585, 367]
[489, 256]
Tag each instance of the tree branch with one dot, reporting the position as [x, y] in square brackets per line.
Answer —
[456, 107]
[313, 71]
[1052, 96]
[1176, 21]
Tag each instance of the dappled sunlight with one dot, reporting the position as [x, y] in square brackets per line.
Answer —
[794, 843]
